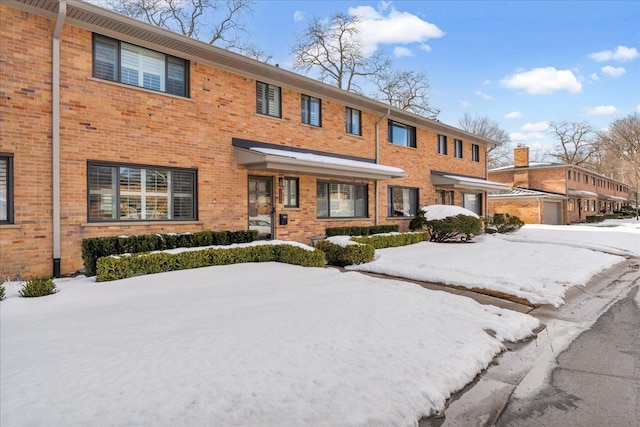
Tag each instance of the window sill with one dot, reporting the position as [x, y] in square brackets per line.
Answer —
[292, 209]
[266, 116]
[353, 218]
[402, 146]
[311, 126]
[400, 217]
[142, 89]
[138, 223]
[10, 226]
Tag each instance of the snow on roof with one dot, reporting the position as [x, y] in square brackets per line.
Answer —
[326, 159]
[435, 212]
[523, 192]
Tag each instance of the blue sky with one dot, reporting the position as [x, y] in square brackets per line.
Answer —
[521, 63]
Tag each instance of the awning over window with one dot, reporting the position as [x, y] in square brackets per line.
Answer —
[582, 193]
[444, 180]
[523, 193]
[280, 159]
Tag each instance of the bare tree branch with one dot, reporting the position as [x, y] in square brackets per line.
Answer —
[497, 155]
[406, 90]
[575, 143]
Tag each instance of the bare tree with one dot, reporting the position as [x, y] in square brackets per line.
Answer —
[576, 145]
[623, 140]
[406, 90]
[216, 22]
[333, 48]
[497, 155]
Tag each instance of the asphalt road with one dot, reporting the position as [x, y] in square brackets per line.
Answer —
[597, 381]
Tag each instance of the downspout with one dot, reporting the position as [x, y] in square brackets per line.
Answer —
[55, 108]
[378, 161]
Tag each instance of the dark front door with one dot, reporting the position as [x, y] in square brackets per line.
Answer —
[261, 206]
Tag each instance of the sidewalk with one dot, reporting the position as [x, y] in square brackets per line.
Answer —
[524, 368]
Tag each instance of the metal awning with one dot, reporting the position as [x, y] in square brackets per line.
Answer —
[582, 193]
[523, 193]
[443, 180]
[282, 160]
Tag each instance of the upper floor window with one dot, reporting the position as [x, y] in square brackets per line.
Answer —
[475, 152]
[352, 121]
[403, 201]
[442, 144]
[134, 65]
[340, 200]
[268, 99]
[6, 188]
[458, 148]
[310, 110]
[290, 191]
[125, 192]
[401, 134]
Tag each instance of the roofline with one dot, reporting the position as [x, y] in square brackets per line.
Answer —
[106, 22]
[512, 168]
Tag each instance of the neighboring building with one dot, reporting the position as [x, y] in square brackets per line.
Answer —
[110, 126]
[553, 193]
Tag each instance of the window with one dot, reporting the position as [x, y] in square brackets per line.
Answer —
[310, 110]
[442, 144]
[593, 181]
[291, 193]
[267, 99]
[6, 188]
[400, 134]
[473, 202]
[338, 200]
[586, 179]
[475, 152]
[134, 65]
[444, 197]
[352, 121]
[123, 192]
[571, 205]
[403, 201]
[458, 148]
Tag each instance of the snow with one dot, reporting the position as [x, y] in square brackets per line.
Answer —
[343, 241]
[245, 344]
[538, 263]
[436, 212]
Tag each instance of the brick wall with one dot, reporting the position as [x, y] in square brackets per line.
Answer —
[111, 122]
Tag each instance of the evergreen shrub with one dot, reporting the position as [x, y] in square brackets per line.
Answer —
[503, 223]
[379, 241]
[346, 255]
[38, 288]
[360, 231]
[460, 228]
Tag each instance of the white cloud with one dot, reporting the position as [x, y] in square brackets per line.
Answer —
[535, 127]
[613, 71]
[513, 115]
[389, 26]
[526, 136]
[595, 76]
[400, 51]
[467, 104]
[543, 81]
[601, 110]
[620, 54]
[298, 16]
[483, 95]
[425, 47]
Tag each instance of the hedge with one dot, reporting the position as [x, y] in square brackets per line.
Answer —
[346, 255]
[94, 248]
[595, 218]
[120, 267]
[381, 241]
[360, 231]
[452, 228]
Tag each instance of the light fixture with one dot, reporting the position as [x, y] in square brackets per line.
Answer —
[281, 181]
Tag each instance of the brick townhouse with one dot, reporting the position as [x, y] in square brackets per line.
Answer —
[110, 126]
[553, 193]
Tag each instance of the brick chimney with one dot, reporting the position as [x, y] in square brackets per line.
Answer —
[521, 160]
[521, 156]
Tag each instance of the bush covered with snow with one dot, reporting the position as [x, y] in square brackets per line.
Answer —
[348, 254]
[38, 288]
[503, 223]
[121, 267]
[447, 223]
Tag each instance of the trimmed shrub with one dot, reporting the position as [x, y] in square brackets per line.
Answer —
[503, 223]
[453, 228]
[97, 247]
[360, 231]
[595, 219]
[2, 296]
[120, 267]
[38, 288]
[346, 255]
[392, 240]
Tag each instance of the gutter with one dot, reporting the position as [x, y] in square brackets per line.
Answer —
[377, 184]
[55, 108]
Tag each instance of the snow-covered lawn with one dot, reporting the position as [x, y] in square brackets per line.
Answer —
[249, 344]
[538, 263]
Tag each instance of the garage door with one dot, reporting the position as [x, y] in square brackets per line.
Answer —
[552, 213]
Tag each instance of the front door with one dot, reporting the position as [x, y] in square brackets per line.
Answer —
[261, 206]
